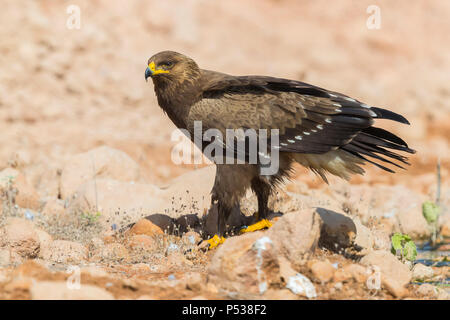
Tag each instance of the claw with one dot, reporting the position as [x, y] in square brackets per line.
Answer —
[215, 241]
[262, 224]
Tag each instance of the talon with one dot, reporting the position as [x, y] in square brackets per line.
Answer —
[215, 241]
[262, 224]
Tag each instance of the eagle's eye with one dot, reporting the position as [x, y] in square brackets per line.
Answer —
[166, 64]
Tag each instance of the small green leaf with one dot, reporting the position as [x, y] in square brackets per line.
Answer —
[403, 246]
[430, 211]
[397, 242]
[410, 251]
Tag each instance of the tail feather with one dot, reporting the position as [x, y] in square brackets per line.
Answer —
[369, 145]
[387, 114]
[375, 143]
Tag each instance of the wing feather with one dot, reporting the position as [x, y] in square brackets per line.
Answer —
[310, 119]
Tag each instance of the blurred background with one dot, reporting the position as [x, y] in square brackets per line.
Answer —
[65, 90]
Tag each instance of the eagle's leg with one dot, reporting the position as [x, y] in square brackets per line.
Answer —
[262, 190]
[222, 215]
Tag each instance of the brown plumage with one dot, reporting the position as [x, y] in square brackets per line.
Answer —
[322, 130]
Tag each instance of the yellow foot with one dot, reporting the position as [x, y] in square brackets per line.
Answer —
[215, 241]
[264, 223]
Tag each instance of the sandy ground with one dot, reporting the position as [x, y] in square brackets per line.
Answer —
[64, 92]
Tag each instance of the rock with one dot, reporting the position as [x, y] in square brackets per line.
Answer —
[422, 272]
[53, 207]
[194, 281]
[427, 290]
[119, 203]
[381, 239]
[142, 242]
[294, 282]
[245, 263]
[364, 238]
[177, 260]
[145, 227]
[338, 231]
[295, 234]
[101, 162]
[283, 294]
[96, 272]
[18, 284]
[59, 290]
[341, 275]
[301, 285]
[111, 252]
[256, 262]
[186, 190]
[357, 272]
[44, 238]
[394, 274]
[63, 251]
[125, 202]
[191, 238]
[5, 258]
[286, 270]
[25, 196]
[21, 237]
[322, 270]
[351, 271]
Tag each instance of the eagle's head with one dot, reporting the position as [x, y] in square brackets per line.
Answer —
[171, 68]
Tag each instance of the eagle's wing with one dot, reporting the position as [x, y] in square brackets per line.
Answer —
[310, 120]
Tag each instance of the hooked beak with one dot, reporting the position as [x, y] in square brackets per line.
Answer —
[152, 71]
[148, 73]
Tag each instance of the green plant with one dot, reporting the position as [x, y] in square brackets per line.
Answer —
[403, 247]
[430, 212]
[89, 217]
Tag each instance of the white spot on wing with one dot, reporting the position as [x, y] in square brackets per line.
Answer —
[290, 141]
[373, 114]
[298, 137]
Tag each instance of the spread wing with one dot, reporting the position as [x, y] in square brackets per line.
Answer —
[310, 119]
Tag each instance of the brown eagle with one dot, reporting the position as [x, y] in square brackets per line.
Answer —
[325, 131]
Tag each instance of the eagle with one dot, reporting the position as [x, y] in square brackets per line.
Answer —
[322, 130]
